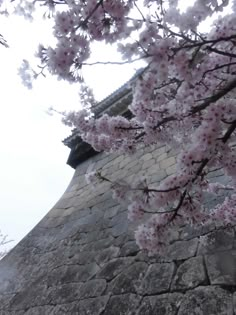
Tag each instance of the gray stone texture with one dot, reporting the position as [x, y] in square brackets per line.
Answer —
[221, 268]
[163, 304]
[207, 301]
[190, 274]
[82, 258]
[158, 278]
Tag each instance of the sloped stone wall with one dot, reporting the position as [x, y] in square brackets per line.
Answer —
[82, 258]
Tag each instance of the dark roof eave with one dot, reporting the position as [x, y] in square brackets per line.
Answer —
[115, 104]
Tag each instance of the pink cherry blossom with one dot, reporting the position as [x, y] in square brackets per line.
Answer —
[184, 98]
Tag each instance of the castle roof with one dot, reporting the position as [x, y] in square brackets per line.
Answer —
[114, 104]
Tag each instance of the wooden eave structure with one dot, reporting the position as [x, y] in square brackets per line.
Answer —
[115, 104]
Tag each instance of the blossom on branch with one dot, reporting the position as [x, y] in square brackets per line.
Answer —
[185, 98]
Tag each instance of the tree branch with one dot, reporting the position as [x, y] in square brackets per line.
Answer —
[113, 62]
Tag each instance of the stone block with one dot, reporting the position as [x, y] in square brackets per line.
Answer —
[164, 164]
[120, 228]
[119, 218]
[146, 157]
[129, 249]
[71, 273]
[149, 163]
[132, 172]
[181, 250]
[81, 258]
[132, 165]
[159, 151]
[68, 212]
[190, 274]
[161, 157]
[103, 256]
[38, 310]
[64, 293]
[30, 297]
[118, 159]
[125, 161]
[129, 280]
[5, 299]
[124, 304]
[171, 169]
[190, 232]
[221, 268]
[114, 267]
[94, 235]
[80, 273]
[99, 244]
[57, 212]
[111, 164]
[207, 301]
[111, 212]
[157, 279]
[92, 288]
[152, 170]
[164, 304]
[218, 240]
[90, 306]
[156, 176]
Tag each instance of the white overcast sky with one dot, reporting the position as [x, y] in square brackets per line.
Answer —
[33, 170]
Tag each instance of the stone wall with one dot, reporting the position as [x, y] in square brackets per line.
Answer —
[82, 258]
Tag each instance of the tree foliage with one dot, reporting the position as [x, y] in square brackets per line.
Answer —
[3, 241]
[185, 99]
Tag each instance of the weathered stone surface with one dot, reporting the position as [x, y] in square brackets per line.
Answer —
[190, 232]
[129, 249]
[147, 157]
[160, 153]
[129, 280]
[64, 293]
[111, 212]
[148, 163]
[164, 304]
[103, 256]
[171, 169]
[155, 176]
[71, 292]
[158, 278]
[120, 228]
[218, 240]
[155, 169]
[124, 304]
[207, 301]
[93, 306]
[114, 267]
[92, 288]
[169, 161]
[39, 310]
[82, 258]
[71, 273]
[99, 244]
[190, 274]
[30, 297]
[182, 250]
[119, 218]
[221, 268]
[5, 300]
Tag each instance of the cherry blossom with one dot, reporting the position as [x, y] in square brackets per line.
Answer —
[184, 98]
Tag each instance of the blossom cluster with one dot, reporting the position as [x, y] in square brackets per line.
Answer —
[184, 98]
[26, 73]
